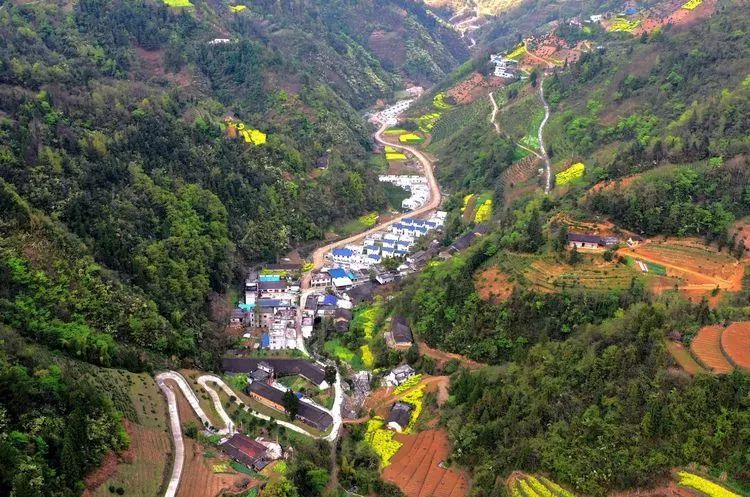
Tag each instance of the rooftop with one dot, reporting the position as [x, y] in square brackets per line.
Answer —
[313, 415]
[282, 367]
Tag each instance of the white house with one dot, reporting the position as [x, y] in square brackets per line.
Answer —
[343, 255]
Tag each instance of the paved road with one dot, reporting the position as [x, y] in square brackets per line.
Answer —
[547, 165]
[179, 446]
[318, 256]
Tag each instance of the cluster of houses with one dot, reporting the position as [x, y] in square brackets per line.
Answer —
[397, 242]
[331, 306]
[504, 68]
[262, 387]
[389, 115]
[416, 185]
[271, 302]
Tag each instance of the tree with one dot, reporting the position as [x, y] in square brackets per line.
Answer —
[412, 355]
[280, 488]
[330, 375]
[291, 404]
[561, 240]
[534, 234]
[575, 256]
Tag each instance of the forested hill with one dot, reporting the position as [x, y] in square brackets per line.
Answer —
[123, 163]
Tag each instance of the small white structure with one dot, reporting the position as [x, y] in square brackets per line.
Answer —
[398, 375]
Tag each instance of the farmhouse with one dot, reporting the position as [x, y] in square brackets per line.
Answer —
[399, 417]
[341, 319]
[399, 335]
[583, 241]
[399, 375]
[246, 451]
[273, 398]
[272, 286]
[311, 371]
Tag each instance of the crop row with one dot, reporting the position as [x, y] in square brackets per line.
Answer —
[703, 485]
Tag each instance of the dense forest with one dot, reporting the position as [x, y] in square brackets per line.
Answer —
[600, 411]
[113, 131]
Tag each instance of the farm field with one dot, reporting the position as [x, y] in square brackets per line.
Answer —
[199, 479]
[683, 358]
[141, 469]
[699, 269]
[706, 347]
[592, 273]
[735, 342]
[493, 285]
[521, 485]
[416, 470]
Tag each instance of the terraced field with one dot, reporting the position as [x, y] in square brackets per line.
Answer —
[735, 343]
[706, 347]
[416, 467]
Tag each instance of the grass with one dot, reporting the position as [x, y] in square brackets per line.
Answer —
[338, 350]
[357, 225]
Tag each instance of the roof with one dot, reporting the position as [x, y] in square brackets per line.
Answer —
[583, 238]
[329, 300]
[343, 252]
[400, 330]
[338, 273]
[321, 276]
[361, 293]
[243, 448]
[272, 303]
[400, 414]
[372, 247]
[272, 285]
[404, 369]
[282, 367]
[309, 413]
[269, 277]
[265, 340]
[343, 314]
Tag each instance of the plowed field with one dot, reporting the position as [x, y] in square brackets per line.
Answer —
[416, 470]
[198, 478]
[493, 285]
[706, 346]
[736, 344]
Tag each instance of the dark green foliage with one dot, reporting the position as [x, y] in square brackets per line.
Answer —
[447, 313]
[291, 404]
[605, 387]
[54, 425]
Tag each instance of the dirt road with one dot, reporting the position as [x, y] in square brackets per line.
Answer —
[318, 256]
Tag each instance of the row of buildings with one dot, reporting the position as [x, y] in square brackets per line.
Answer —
[389, 115]
[262, 373]
[396, 242]
[415, 185]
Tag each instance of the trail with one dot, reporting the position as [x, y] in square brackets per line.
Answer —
[318, 256]
[207, 381]
[493, 120]
[545, 157]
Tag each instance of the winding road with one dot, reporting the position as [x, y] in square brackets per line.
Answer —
[493, 120]
[318, 256]
[207, 381]
[545, 157]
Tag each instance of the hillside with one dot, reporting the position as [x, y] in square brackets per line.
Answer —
[123, 127]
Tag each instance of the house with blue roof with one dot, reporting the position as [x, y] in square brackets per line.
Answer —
[372, 249]
[420, 231]
[408, 221]
[265, 341]
[342, 255]
[388, 252]
[403, 246]
[389, 244]
[400, 253]
[375, 259]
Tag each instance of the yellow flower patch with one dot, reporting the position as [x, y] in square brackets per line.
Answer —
[691, 4]
[573, 172]
[704, 486]
[237, 8]
[395, 156]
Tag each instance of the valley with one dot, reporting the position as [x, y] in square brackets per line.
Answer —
[276, 249]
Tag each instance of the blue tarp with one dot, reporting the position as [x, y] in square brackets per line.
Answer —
[246, 307]
[270, 277]
[265, 340]
[329, 300]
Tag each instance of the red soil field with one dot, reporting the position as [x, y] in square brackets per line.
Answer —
[706, 346]
[416, 470]
[735, 341]
[492, 284]
[199, 480]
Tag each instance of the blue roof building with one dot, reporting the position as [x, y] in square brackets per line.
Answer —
[330, 300]
[269, 277]
[265, 340]
[342, 252]
[337, 273]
